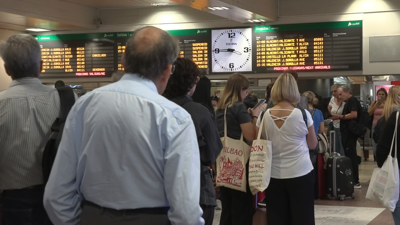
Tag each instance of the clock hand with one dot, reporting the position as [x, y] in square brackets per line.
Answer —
[230, 50]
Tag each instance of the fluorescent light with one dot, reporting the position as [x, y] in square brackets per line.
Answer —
[250, 21]
[256, 21]
[160, 4]
[36, 29]
[262, 20]
[218, 8]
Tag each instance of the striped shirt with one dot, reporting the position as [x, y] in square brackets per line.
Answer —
[27, 111]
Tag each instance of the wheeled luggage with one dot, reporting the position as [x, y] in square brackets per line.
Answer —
[340, 175]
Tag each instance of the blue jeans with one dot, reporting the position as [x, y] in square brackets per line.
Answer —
[396, 214]
[23, 207]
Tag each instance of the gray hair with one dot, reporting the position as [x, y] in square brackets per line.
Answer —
[21, 54]
[336, 86]
[150, 63]
[346, 88]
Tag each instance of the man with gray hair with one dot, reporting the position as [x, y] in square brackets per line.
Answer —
[28, 111]
[351, 112]
[128, 154]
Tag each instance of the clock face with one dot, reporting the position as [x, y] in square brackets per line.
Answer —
[231, 50]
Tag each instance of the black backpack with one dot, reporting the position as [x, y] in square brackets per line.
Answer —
[378, 130]
[67, 100]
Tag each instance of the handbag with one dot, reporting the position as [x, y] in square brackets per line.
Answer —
[384, 185]
[231, 162]
[260, 162]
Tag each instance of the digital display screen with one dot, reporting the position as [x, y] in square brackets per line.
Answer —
[319, 46]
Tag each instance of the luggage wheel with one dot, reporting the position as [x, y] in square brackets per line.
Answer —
[353, 196]
[342, 198]
[330, 197]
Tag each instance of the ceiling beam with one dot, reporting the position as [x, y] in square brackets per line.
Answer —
[57, 11]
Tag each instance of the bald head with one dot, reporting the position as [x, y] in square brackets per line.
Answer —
[149, 52]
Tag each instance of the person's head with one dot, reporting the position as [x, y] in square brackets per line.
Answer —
[236, 89]
[21, 54]
[183, 81]
[214, 101]
[392, 100]
[311, 98]
[202, 92]
[381, 94]
[334, 90]
[250, 101]
[150, 53]
[117, 75]
[59, 83]
[293, 73]
[268, 91]
[285, 89]
[344, 92]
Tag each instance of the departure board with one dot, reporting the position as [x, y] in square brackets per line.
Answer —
[194, 45]
[308, 47]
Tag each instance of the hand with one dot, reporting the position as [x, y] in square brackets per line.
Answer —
[336, 117]
[256, 111]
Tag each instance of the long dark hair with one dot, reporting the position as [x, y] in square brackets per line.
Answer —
[202, 93]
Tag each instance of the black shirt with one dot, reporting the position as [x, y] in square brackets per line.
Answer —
[235, 115]
[385, 142]
[210, 145]
[352, 104]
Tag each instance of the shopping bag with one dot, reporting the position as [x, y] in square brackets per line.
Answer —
[231, 162]
[260, 162]
[384, 183]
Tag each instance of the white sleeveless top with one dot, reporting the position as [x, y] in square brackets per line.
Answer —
[290, 153]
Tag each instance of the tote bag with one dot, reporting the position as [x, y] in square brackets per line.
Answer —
[231, 162]
[260, 162]
[384, 185]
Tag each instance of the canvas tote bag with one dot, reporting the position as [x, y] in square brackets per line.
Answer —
[384, 185]
[231, 162]
[260, 162]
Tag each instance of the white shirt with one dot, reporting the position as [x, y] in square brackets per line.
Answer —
[290, 153]
[125, 146]
[336, 110]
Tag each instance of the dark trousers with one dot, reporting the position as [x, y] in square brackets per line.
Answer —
[208, 214]
[236, 207]
[350, 150]
[23, 207]
[291, 201]
[95, 215]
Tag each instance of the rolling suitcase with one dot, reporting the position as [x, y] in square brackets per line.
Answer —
[340, 178]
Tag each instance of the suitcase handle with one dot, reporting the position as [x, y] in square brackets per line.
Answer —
[332, 138]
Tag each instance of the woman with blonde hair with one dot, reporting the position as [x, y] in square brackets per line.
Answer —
[392, 102]
[336, 106]
[236, 206]
[290, 194]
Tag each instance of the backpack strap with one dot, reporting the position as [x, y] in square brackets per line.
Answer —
[313, 112]
[303, 111]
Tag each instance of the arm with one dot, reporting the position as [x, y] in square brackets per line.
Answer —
[182, 175]
[385, 142]
[349, 116]
[372, 108]
[61, 200]
[250, 130]
[312, 140]
[321, 128]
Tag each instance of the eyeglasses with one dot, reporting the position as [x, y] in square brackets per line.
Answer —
[172, 68]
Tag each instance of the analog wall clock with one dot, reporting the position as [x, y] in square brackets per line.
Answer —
[231, 50]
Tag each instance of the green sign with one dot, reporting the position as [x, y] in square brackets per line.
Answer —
[308, 26]
[119, 35]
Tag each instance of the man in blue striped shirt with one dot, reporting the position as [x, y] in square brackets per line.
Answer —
[27, 111]
[129, 154]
